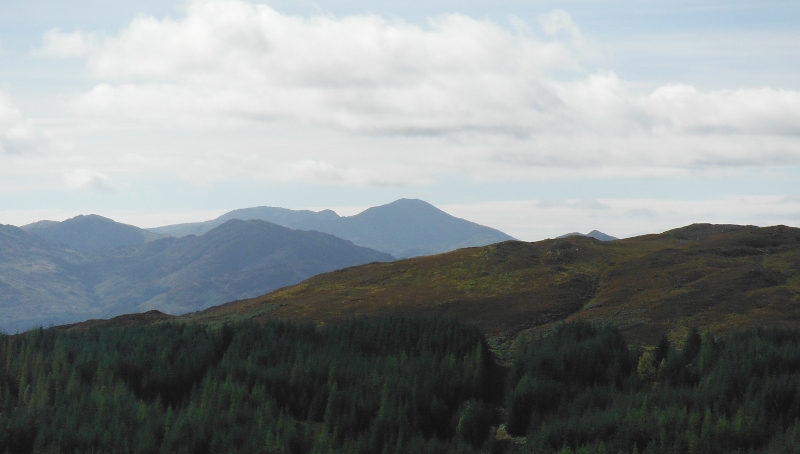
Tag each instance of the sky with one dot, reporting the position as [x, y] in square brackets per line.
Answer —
[534, 117]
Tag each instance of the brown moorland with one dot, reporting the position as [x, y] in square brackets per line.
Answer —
[716, 277]
[120, 321]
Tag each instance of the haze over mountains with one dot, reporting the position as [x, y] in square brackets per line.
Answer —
[596, 234]
[40, 282]
[713, 276]
[403, 228]
[91, 266]
[91, 233]
[44, 283]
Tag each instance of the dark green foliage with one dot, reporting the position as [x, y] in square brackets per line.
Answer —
[740, 393]
[392, 385]
[369, 385]
[551, 371]
[662, 350]
[474, 420]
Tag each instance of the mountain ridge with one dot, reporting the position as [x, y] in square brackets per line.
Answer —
[238, 259]
[403, 228]
[91, 233]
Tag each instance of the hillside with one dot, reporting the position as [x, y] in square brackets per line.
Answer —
[281, 216]
[713, 276]
[91, 233]
[403, 228]
[39, 282]
[43, 283]
[239, 259]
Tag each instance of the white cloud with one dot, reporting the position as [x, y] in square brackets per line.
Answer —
[591, 204]
[230, 59]
[479, 99]
[559, 23]
[582, 204]
[58, 44]
[87, 179]
[641, 213]
[681, 108]
[320, 171]
[18, 135]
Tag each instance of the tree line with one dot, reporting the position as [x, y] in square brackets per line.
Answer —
[370, 385]
[394, 385]
[582, 389]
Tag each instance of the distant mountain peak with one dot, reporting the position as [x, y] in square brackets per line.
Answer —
[402, 228]
[596, 234]
[91, 217]
[405, 201]
[90, 232]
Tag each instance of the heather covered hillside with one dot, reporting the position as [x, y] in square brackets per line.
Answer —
[714, 276]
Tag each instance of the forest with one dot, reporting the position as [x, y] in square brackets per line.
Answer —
[394, 385]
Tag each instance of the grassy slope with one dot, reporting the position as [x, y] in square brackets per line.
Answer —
[716, 277]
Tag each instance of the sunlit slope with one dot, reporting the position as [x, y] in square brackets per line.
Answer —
[503, 288]
[712, 276]
[715, 277]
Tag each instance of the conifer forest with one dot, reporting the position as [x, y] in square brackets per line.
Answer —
[394, 385]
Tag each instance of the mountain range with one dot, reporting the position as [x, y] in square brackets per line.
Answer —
[403, 228]
[91, 266]
[91, 233]
[43, 282]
